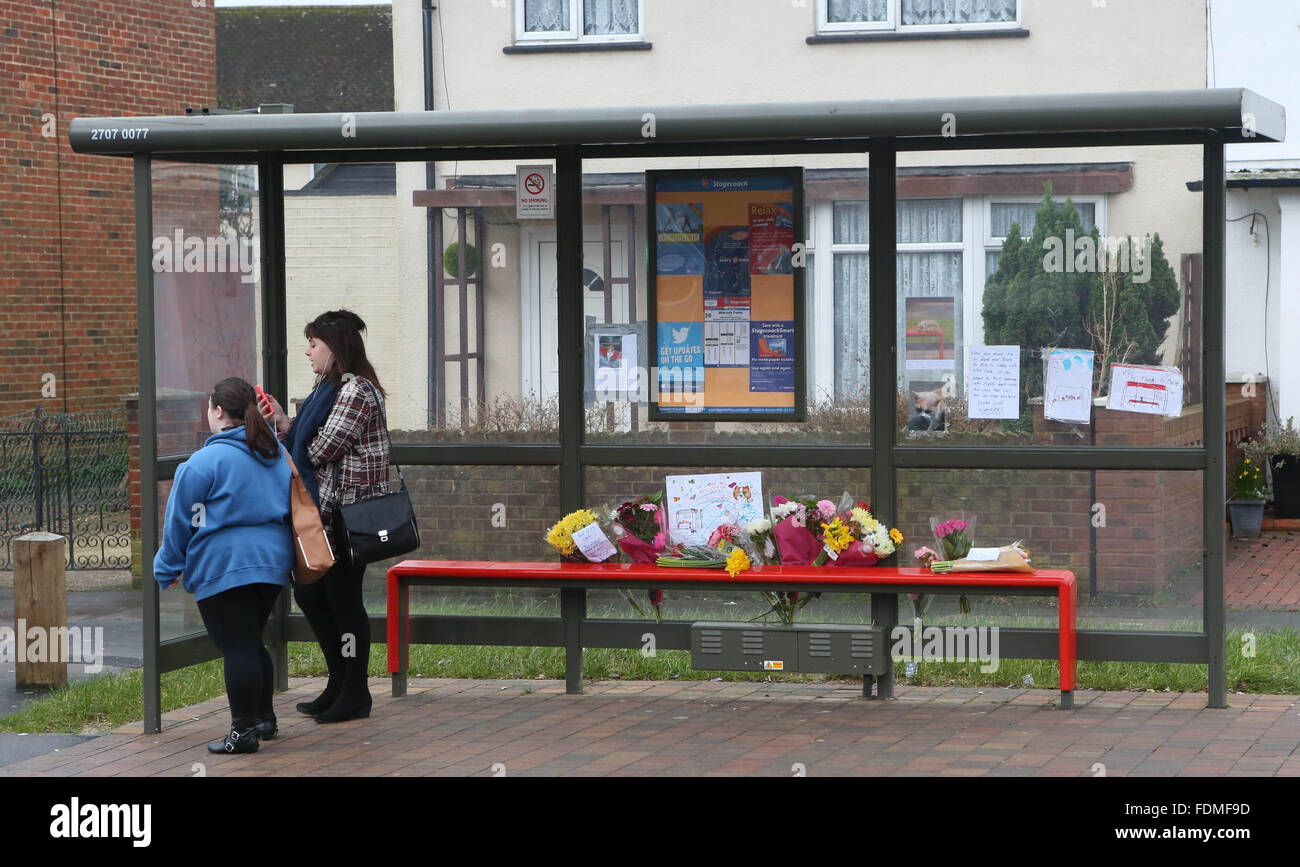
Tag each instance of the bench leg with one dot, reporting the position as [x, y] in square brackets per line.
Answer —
[573, 610]
[868, 680]
[884, 613]
[403, 640]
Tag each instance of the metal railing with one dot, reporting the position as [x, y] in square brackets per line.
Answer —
[66, 473]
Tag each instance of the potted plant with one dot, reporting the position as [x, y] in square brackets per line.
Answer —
[1278, 448]
[1246, 506]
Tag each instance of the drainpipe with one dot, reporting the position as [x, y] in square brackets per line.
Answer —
[430, 214]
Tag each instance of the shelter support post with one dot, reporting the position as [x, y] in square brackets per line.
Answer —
[882, 190]
[1214, 213]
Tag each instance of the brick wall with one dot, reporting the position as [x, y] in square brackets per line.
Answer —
[67, 256]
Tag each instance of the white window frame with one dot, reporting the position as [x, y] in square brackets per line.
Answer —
[824, 26]
[574, 34]
[893, 15]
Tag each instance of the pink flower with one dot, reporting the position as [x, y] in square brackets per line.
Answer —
[827, 508]
[777, 499]
[960, 525]
[648, 507]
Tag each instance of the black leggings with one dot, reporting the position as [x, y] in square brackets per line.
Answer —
[337, 613]
[235, 619]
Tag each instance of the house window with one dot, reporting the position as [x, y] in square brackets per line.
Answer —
[916, 16]
[1002, 213]
[578, 20]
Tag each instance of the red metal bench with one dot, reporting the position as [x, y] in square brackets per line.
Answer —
[573, 579]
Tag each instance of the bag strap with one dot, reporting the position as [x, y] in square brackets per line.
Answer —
[383, 420]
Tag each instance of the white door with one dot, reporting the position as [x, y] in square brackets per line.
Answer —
[541, 368]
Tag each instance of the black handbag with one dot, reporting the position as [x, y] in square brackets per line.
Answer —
[381, 527]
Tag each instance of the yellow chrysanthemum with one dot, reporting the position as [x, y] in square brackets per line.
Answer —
[561, 535]
[837, 536]
[737, 561]
[896, 536]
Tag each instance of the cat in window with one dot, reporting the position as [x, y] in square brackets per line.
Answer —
[929, 411]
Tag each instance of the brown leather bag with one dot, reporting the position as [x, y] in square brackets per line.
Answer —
[312, 554]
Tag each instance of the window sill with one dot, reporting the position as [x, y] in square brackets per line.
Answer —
[903, 37]
[577, 46]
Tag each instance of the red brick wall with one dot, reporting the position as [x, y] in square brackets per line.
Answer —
[67, 255]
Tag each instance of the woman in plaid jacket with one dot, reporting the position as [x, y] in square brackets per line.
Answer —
[340, 434]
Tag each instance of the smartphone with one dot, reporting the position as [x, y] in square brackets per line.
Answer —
[261, 395]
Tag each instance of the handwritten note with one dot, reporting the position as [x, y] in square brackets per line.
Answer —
[593, 543]
[994, 382]
[1150, 390]
[1067, 385]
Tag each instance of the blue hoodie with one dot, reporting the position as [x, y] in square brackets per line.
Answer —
[228, 521]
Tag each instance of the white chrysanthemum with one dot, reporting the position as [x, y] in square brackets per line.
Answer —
[783, 511]
[879, 538]
[758, 525]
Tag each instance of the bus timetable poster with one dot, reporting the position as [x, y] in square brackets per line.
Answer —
[724, 291]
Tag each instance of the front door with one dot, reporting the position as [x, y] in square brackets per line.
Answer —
[541, 366]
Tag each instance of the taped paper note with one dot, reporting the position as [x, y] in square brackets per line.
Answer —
[1150, 390]
[1067, 385]
[994, 382]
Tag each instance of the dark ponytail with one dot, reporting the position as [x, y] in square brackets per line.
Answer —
[238, 399]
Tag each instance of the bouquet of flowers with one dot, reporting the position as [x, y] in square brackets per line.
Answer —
[954, 535]
[560, 536]
[811, 531]
[638, 528]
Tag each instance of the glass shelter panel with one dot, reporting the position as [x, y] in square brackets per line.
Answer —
[207, 291]
[829, 318]
[1131, 537]
[457, 293]
[1029, 289]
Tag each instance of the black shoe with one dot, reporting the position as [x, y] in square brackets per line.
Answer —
[346, 708]
[237, 741]
[321, 703]
[266, 728]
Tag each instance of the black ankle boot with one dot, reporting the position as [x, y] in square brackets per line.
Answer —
[237, 741]
[351, 704]
[321, 703]
[266, 727]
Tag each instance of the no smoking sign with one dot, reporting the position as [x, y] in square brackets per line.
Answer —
[534, 194]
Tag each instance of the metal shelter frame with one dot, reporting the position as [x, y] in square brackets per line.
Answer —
[881, 128]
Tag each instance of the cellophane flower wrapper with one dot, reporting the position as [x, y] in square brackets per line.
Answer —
[637, 527]
[954, 533]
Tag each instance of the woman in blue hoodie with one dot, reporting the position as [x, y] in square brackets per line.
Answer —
[228, 531]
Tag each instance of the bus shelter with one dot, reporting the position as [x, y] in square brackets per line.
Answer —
[506, 318]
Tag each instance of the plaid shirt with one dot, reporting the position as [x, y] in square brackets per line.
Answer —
[351, 450]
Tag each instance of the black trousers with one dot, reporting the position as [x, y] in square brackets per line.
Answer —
[337, 613]
[235, 619]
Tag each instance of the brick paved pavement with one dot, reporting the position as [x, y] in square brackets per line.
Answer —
[450, 727]
[1262, 574]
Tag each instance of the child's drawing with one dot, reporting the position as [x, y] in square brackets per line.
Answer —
[697, 505]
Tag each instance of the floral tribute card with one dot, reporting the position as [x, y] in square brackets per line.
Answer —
[698, 505]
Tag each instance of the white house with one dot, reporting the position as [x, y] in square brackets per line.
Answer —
[955, 207]
[1257, 45]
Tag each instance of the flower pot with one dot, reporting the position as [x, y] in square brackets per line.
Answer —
[810, 648]
[1247, 515]
[1286, 485]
